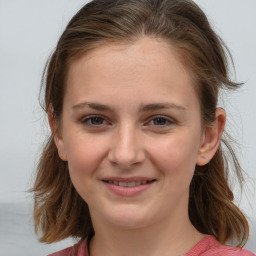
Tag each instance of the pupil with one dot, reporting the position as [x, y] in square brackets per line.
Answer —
[97, 120]
[159, 121]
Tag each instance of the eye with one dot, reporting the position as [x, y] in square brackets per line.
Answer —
[161, 121]
[94, 121]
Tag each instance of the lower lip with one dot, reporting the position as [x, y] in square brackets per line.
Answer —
[127, 191]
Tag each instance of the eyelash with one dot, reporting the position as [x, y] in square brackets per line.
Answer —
[167, 120]
[88, 121]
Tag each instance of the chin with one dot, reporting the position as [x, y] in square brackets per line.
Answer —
[128, 218]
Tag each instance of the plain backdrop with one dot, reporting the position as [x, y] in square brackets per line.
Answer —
[29, 30]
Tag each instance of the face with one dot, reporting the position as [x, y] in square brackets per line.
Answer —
[131, 132]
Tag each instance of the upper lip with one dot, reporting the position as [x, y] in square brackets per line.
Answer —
[128, 179]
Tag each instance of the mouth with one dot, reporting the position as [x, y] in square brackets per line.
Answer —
[128, 187]
[134, 183]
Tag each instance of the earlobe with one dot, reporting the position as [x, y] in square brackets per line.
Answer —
[58, 139]
[211, 138]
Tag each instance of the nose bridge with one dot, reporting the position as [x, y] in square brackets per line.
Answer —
[126, 148]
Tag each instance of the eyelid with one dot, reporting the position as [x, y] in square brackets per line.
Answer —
[88, 117]
[170, 120]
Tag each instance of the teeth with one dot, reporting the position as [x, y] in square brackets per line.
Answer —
[122, 184]
[127, 184]
[131, 184]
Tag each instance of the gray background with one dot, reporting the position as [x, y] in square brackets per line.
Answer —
[29, 30]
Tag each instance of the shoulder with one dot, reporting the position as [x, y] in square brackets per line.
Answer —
[209, 246]
[79, 249]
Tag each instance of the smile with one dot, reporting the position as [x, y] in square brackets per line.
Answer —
[128, 184]
[128, 187]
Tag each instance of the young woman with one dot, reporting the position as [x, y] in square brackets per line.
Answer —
[135, 164]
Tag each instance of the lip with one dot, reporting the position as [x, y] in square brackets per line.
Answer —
[128, 191]
[128, 179]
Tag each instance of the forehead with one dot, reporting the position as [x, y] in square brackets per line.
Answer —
[148, 66]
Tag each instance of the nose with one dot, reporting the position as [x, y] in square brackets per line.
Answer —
[126, 150]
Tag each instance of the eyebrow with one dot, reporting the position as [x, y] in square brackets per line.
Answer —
[157, 106]
[143, 107]
[92, 105]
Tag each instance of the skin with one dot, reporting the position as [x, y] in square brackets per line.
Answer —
[164, 144]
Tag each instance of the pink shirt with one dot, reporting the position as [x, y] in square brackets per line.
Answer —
[208, 246]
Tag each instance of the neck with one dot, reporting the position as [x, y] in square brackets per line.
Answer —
[172, 238]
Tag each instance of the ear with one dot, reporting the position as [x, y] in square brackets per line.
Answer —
[211, 138]
[57, 134]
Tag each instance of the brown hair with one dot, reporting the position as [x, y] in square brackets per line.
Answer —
[59, 211]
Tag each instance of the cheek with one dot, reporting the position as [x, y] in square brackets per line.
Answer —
[84, 155]
[176, 155]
